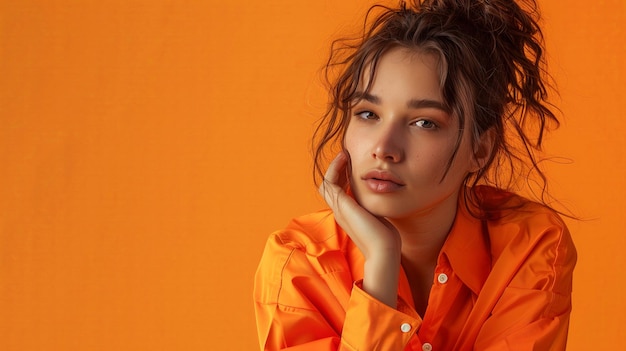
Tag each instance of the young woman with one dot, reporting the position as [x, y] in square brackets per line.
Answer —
[436, 110]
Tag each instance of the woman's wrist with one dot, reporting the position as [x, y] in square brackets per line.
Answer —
[380, 277]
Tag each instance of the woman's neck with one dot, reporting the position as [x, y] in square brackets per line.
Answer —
[423, 235]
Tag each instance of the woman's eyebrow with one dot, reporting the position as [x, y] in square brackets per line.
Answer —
[360, 95]
[427, 103]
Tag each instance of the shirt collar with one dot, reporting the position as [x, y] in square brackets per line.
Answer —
[466, 249]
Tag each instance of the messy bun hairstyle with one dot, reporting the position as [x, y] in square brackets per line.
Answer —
[491, 68]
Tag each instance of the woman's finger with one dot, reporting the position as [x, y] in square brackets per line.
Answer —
[334, 179]
[337, 168]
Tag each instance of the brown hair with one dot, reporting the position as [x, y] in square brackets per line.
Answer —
[492, 72]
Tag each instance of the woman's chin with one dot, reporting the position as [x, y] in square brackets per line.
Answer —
[383, 209]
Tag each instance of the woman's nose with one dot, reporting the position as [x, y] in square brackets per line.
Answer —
[388, 144]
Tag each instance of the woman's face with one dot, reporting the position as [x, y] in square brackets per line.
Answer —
[400, 138]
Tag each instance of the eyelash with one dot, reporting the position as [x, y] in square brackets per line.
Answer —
[373, 116]
[434, 125]
[360, 115]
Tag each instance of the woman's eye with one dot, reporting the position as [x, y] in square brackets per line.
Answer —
[426, 124]
[366, 115]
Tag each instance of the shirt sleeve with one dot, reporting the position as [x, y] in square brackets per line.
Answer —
[534, 308]
[305, 302]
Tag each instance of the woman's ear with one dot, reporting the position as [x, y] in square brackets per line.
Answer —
[484, 149]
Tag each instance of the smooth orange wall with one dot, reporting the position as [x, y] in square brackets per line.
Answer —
[147, 148]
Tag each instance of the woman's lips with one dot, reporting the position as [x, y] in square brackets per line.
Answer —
[380, 181]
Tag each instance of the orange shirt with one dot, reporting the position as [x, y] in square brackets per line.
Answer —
[501, 284]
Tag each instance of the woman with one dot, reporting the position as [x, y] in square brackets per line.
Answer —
[436, 110]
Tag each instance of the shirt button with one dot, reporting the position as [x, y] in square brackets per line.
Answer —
[405, 327]
[427, 347]
[442, 278]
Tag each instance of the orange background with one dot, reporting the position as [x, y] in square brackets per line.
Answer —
[147, 149]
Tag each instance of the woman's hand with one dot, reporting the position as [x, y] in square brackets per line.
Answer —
[377, 239]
